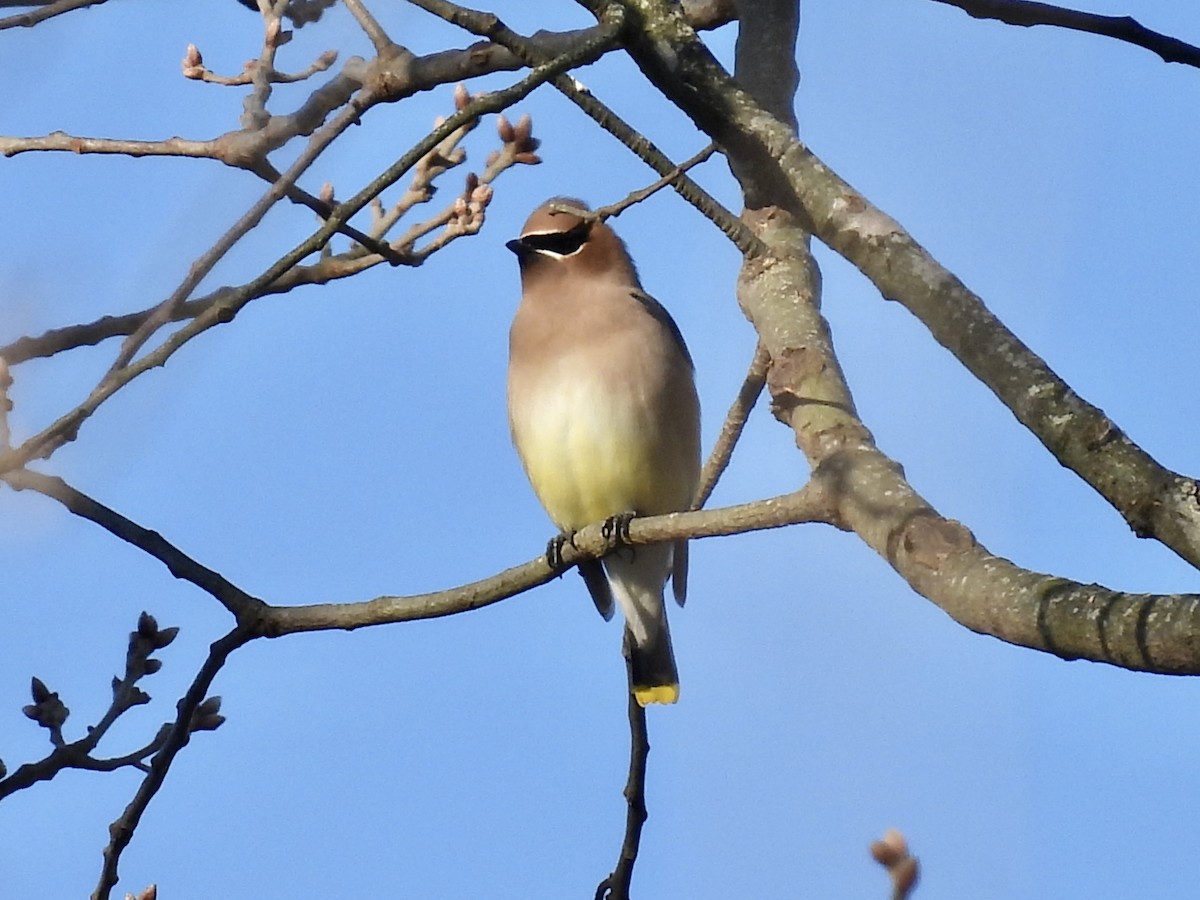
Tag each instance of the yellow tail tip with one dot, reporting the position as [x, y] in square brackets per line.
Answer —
[659, 693]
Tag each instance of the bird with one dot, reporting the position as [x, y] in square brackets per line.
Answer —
[604, 415]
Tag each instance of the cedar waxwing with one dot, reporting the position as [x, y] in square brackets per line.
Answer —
[604, 415]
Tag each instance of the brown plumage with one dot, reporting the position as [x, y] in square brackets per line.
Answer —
[604, 415]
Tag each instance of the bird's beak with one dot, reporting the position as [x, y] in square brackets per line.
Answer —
[518, 247]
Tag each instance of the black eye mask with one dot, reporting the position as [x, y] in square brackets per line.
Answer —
[564, 243]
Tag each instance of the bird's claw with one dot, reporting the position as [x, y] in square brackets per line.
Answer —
[554, 549]
[616, 528]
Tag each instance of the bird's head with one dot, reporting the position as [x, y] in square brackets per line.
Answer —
[557, 242]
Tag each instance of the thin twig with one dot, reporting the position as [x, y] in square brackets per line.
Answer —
[67, 426]
[616, 885]
[1121, 28]
[615, 209]
[255, 115]
[645, 150]
[735, 422]
[202, 266]
[371, 27]
[49, 11]
[258, 165]
[51, 713]
[233, 598]
[341, 265]
[121, 831]
[194, 69]
[296, 194]
[489, 26]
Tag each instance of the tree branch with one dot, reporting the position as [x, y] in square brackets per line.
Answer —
[47, 11]
[616, 885]
[731, 428]
[61, 141]
[191, 706]
[330, 268]
[1155, 501]
[529, 51]
[50, 712]
[1122, 28]
[938, 557]
[279, 188]
[66, 427]
[242, 605]
[809, 504]
[6, 405]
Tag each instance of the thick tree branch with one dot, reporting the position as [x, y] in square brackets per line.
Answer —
[938, 557]
[1155, 501]
[1121, 28]
[765, 54]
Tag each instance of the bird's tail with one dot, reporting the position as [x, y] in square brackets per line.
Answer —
[637, 576]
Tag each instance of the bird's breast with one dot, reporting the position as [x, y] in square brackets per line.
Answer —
[597, 439]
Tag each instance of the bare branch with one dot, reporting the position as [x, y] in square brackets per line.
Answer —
[324, 210]
[214, 149]
[854, 487]
[328, 269]
[255, 118]
[765, 54]
[615, 209]
[731, 428]
[458, 219]
[1121, 28]
[616, 885]
[529, 51]
[254, 114]
[192, 712]
[47, 11]
[938, 557]
[1155, 501]
[809, 504]
[238, 602]
[62, 142]
[367, 22]
[66, 427]
[49, 711]
[193, 68]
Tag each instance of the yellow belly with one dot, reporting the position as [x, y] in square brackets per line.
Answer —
[591, 454]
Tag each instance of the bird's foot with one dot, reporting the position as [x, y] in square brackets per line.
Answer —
[554, 549]
[616, 528]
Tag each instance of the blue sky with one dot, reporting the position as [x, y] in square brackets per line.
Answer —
[342, 442]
